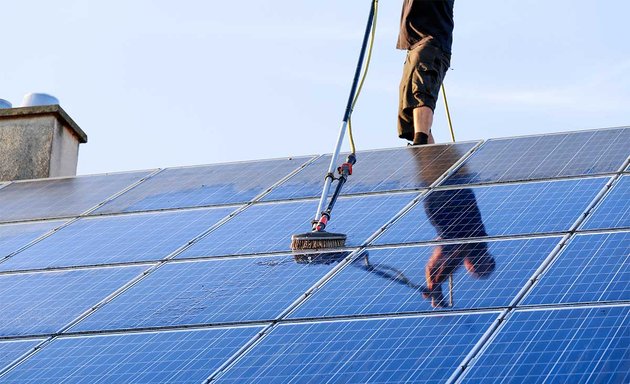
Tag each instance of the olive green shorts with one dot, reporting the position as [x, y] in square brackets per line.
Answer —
[423, 74]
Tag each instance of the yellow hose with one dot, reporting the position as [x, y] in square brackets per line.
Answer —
[448, 113]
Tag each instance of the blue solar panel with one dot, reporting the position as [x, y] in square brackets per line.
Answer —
[585, 345]
[383, 317]
[377, 171]
[10, 350]
[49, 198]
[204, 186]
[164, 357]
[15, 236]
[43, 302]
[402, 350]
[549, 156]
[591, 268]
[115, 239]
[509, 209]
[266, 228]
[392, 280]
[214, 291]
[614, 211]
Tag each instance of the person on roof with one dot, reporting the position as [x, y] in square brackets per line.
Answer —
[426, 32]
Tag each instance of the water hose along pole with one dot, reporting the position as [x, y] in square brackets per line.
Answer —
[448, 113]
[346, 116]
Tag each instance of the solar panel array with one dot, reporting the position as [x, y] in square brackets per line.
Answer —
[498, 261]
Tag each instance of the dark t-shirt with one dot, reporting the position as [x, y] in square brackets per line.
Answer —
[426, 20]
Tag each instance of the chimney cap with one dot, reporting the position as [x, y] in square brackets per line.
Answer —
[35, 99]
[55, 110]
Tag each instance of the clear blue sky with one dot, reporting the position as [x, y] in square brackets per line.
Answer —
[168, 83]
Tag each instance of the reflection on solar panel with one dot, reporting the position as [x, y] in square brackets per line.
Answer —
[541, 157]
[391, 280]
[377, 171]
[49, 198]
[511, 209]
[585, 345]
[164, 357]
[43, 302]
[153, 287]
[403, 350]
[614, 211]
[591, 268]
[15, 236]
[203, 186]
[213, 291]
[116, 239]
[268, 227]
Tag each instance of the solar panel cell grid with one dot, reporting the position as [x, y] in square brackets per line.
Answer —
[508, 209]
[389, 332]
[213, 291]
[377, 171]
[591, 268]
[204, 185]
[265, 228]
[565, 346]
[116, 239]
[11, 350]
[164, 357]
[402, 350]
[43, 302]
[538, 157]
[15, 236]
[50, 198]
[614, 211]
[392, 280]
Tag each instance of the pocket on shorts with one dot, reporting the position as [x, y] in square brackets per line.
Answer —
[430, 66]
[426, 80]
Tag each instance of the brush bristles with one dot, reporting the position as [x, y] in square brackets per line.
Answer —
[297, 244]
[318, 240]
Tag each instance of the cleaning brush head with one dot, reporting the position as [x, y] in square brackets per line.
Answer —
[318, 240]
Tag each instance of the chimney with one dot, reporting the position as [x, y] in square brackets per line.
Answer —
[38, 142]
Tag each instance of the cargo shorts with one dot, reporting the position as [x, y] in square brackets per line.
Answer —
[423, 73]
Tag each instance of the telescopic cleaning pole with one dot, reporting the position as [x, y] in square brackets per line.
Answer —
[330, 175]
[318, 237]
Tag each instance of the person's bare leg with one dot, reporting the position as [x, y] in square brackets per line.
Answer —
[422, 122]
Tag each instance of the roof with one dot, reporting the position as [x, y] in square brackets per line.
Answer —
[185, 274]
